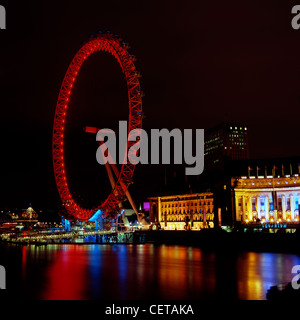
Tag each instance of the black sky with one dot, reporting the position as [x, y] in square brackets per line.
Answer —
[202, 62]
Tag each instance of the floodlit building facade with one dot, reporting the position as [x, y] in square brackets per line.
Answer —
[267, 199]
[183, 212]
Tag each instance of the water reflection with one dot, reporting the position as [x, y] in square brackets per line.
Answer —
[67, 275]
[259, 271]
[146, 272]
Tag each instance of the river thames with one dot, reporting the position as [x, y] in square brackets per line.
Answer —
[94, 271]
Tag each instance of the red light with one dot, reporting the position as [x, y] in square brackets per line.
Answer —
[91, 130]
[108, 44]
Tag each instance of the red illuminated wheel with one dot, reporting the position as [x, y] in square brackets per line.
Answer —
[116, 47]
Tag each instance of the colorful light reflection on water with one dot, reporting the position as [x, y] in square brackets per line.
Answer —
[145, 272]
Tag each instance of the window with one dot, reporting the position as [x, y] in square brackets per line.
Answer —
[271, 203]
[253, 205]
[279, 203]
[296, 203]
[262, 204]
[288, 204]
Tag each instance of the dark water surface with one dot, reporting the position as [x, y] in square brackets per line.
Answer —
[93, 271]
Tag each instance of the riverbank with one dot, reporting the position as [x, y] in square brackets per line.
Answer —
[210, 239]
[218, 239]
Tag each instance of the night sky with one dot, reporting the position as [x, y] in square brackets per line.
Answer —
[202, 63]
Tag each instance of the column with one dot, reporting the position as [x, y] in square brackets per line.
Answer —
[243, 208]
[297, 197]
[283, 204]
[267, 207]
[258, 206]
[159, 210]
[237, 212]
[292, 207]
[250, 209]
[246, 207]
[275, 204]
[275, 207]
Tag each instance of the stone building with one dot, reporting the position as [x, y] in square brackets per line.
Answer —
[182, 212]
[267, 199]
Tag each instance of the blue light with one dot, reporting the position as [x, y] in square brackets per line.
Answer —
[122, 211]
[96, 216]
[66, 224]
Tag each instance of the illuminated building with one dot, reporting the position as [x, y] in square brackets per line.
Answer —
[180, 212]
[29, 213]
[225, 142]
[267, 199]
